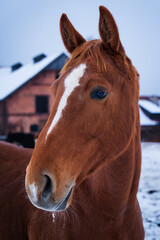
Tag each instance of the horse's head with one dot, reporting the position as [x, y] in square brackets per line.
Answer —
[92, 118]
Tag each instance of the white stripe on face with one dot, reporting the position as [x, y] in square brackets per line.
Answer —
[70, 83]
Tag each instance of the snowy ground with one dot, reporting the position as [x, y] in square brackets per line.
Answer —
[149, 190]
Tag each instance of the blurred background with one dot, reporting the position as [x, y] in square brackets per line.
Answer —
[32, 55]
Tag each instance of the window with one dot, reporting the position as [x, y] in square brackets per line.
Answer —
[39, 58]
[16, 66]
[42, 104]
[57, 75]
[34, 128]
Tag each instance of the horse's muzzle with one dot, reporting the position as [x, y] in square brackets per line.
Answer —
[42, 195]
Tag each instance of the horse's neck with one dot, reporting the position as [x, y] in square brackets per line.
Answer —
[114, 186]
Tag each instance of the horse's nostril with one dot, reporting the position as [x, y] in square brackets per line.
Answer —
[47, 187]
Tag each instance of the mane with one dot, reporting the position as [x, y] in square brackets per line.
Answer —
[92, 50]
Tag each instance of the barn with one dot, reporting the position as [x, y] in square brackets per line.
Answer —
[149, 120]
[25, 98]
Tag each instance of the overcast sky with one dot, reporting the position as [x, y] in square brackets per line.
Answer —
[30, 27]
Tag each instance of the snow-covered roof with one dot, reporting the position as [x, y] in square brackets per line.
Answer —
[10, 81]
[149, 106]
[145, 120]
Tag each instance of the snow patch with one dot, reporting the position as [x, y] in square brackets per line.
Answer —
[144, 120]
[13, 80]
[151, 107]
[149, 190]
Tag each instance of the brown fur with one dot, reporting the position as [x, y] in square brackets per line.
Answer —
[95, 143]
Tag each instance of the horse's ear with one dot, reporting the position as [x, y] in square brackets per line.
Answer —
[70, 36]
[108, 30]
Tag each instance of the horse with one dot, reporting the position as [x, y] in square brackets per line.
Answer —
[82, 177]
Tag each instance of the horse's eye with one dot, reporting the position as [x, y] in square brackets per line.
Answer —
[98, 93]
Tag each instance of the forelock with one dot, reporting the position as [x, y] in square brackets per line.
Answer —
[92, 51]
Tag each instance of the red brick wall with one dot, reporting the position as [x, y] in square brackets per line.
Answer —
[21, 111]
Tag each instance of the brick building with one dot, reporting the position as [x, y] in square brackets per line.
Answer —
[149, 119]
[25, 98]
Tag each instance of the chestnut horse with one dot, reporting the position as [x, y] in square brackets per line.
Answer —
[85, 168]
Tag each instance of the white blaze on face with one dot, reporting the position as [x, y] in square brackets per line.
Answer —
[33, 190]
[70, 83]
